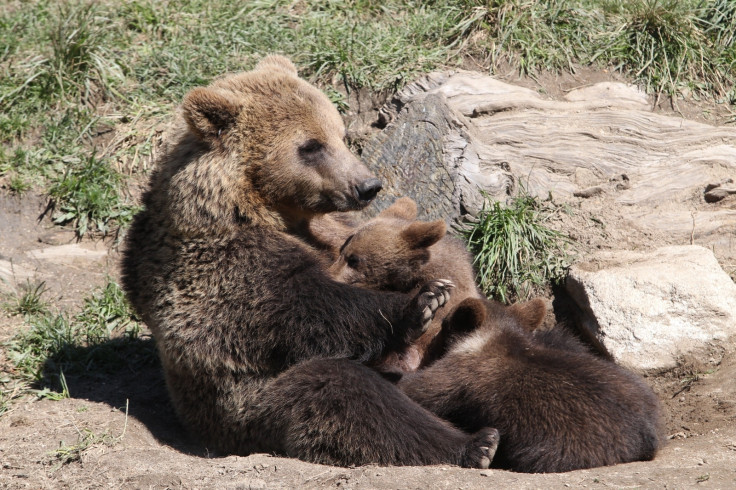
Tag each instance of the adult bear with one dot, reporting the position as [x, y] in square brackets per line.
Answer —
[261, 350]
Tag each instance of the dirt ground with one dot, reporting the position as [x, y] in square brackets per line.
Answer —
[119, 431]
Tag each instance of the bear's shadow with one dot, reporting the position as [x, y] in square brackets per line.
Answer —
[121, 373]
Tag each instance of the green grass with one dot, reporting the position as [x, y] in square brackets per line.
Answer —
[70, 67]
[660, 42]
[29, 301]
[516, 254]
[88, 196]
[664, 45]
[93, 340]
[532, 35]
[103, 337]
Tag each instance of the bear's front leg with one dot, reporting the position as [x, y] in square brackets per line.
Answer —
[339, 412]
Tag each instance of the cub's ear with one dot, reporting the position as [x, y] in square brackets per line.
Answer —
[277, 62]
[529, 314]
[210, 111]
[404, 208]
[466, 317]
[421, 234]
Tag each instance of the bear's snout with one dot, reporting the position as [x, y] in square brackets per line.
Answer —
[368, 189]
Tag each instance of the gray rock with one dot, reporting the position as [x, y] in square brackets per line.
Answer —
[429, 154]
[715, 195]
[650, 308]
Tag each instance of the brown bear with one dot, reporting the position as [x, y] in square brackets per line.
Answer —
[395, 252]
[557, 406]
[261, 349]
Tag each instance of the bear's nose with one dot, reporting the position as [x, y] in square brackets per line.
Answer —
[368, 189]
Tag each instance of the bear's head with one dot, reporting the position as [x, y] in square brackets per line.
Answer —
[483, 314]
[262, 146]
[389, 251]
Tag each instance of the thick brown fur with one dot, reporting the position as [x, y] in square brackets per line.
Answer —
[557, 406]
[261, 349]
[394, 252]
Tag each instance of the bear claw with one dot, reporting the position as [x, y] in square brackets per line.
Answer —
[433, 296]
[481, 449]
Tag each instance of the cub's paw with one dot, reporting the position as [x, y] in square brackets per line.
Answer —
[480, 449]
[433, 296]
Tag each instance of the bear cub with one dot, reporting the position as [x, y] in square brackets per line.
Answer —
[557, 406]
[394, 252]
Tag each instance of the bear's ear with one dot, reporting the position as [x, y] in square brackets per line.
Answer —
[468, 316]
[421, 234]
[529, 314]
[210, 111]
[277, 62]
[404, 208]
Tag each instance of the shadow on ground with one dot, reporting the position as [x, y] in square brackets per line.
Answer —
[122, 373]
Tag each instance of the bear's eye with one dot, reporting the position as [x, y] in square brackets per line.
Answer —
[310, 147]
[353, 261]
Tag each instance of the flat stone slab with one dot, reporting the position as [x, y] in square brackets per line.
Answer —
[650, 308]
[67, 253]
[11, 275]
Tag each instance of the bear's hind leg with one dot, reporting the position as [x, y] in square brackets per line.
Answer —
[336, 411]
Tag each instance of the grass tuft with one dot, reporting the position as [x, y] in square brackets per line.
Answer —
[78, 64]
[529, 34]
[106, 312]
[668, 46]
[88, 196]
[29, 301]
[93, 340]
[718, 21]
[659, 42]
[86, 440]
[516, 254]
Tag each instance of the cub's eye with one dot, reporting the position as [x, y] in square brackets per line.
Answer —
[353, 261]
[310, 147]
[346, 243]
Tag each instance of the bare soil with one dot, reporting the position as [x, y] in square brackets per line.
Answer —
[118, 429]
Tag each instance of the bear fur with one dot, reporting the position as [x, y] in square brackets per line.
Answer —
[394, 252]
[262, 351]
[557, 406]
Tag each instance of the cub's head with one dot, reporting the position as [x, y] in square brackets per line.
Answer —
[468, 327]
[264, 145]
[389, 251]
